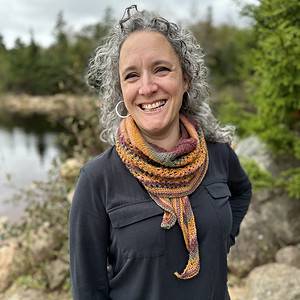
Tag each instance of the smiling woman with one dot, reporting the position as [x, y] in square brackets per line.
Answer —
[152, 86]
[155, 215]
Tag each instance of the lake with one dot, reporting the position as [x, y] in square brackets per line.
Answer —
[26, 152]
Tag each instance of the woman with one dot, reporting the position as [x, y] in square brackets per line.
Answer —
[154, 216]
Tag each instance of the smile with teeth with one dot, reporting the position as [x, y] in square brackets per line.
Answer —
[153, 106]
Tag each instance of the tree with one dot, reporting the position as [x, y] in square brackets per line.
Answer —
[276, 81]
[224, 47]
[60, 32]
[2, 45]
[275, 84]
[4, 65]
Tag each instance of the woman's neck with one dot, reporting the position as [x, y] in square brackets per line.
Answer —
[166, 140]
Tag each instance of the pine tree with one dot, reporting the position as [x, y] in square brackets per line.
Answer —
[275, 84]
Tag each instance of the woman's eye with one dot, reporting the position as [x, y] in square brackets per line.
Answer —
[162, 69]
[130, 76]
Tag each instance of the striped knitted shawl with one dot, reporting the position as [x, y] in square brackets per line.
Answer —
[169, 177]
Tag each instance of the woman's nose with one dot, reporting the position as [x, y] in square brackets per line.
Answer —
[147, 87]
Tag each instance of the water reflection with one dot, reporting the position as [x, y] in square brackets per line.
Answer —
[25, 155]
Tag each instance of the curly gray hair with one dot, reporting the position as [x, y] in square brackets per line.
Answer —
[103, 74]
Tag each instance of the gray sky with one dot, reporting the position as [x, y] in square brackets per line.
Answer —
[18, 17]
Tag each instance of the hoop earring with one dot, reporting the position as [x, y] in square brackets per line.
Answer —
[118, 114]
[186, 98]
[188, 95]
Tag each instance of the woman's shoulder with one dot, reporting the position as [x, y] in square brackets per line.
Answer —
[102, 164]
[221, 154]
[217, 149]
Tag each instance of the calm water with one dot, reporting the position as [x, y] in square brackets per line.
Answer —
[25, 156]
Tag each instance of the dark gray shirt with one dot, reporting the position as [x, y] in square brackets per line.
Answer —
[118, 250]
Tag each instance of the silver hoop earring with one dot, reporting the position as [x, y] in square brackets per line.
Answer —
[118, 114]
[185, 101]
[188, 95]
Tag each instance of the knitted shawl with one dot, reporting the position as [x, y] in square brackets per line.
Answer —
[169, 177]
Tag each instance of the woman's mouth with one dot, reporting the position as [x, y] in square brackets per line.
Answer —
[149, 107]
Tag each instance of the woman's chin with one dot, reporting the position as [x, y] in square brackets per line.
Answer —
[152, 132]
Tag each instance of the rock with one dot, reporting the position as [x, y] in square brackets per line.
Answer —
[28, 250]
[261, 196]
[253, 148]
[57, 272]
[22, 293]
[8, 251]
[255, 245]
[70, 169]
[59, 296]
[289, 256]
[12, 261]
[237, 292]
[282, 215]
[236, 287]
[273, 282]
[16, 292]
[41, 243]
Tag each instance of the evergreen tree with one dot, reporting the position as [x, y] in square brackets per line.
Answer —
[275, 84]
[4, 65]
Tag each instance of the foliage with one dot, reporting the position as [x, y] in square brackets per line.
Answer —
[232, 107]
[47, 203]
[60, 67]
[56, 69]
[290, 181]
[4, 65]
[31, 281]
[275, 84]
[81, 135]
[225, 47]
[259, 177]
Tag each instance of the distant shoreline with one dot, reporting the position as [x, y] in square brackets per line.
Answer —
[55, 107]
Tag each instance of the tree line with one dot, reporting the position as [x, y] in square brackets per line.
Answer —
[255, 71]
[60, 68]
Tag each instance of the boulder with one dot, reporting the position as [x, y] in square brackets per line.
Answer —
[289, 255]
[253, 148]
[57, 272]
[236, 287]
[262, 196]
[237, 292]
[255, 245]
[22, 293]
[41, 244]
[8, 252]
[13, 262]
[26, 294]
[273, 282]
[16, 292]
[282, 215]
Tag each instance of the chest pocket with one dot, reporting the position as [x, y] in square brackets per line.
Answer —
[219, 195]
[220, 192]
[136, 229]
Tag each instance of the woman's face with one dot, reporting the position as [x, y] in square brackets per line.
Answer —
[152, 83]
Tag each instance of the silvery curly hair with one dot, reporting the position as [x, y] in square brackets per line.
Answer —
[103, 74]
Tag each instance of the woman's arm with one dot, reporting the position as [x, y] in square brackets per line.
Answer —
[89, 233]
[241, 192]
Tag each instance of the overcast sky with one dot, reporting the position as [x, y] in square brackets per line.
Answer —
[19, 17]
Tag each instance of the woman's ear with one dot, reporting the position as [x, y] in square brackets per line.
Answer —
[186, 83]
